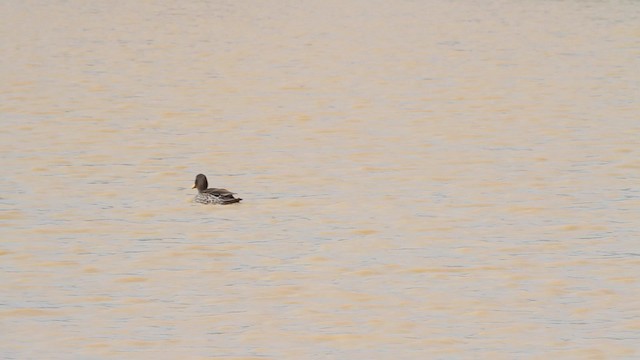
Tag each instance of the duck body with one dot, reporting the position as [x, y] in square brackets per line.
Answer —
[214, 196]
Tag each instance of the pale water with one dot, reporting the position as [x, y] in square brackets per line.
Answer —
[421, 179]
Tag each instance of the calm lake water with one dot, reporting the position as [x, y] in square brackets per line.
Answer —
[421, 179]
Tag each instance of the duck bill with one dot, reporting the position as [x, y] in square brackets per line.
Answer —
[193, 187]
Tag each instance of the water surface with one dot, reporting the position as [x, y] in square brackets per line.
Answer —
[422, 180]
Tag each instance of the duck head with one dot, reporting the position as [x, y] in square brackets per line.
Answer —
[201, 183]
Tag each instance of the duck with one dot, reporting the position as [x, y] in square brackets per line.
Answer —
[208, 195]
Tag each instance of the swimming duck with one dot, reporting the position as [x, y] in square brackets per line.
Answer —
[212, 195]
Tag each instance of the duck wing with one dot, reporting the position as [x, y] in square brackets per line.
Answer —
[218, 192]
[224, 196]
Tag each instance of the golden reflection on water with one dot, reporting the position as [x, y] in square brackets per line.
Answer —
[421, 180]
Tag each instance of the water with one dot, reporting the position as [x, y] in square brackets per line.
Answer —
[440, 180]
